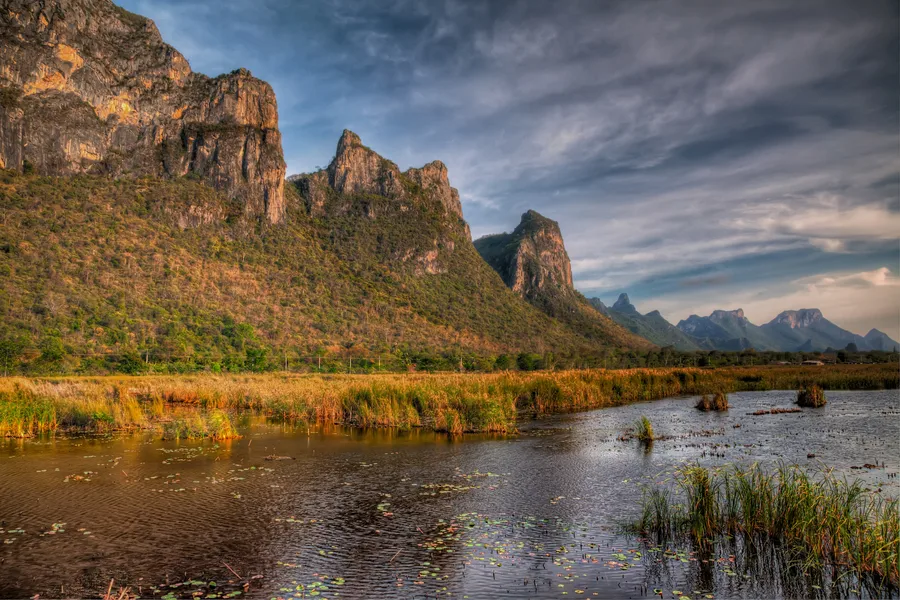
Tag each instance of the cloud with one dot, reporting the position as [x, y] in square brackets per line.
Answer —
[877, 278]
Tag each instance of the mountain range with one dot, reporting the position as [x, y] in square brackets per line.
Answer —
[804, 330]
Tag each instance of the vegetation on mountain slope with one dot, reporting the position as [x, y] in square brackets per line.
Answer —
[168, 271]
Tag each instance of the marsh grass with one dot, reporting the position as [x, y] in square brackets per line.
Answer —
[811, 396]
[643, 430]
[719, 402]
[820, 521]
[454, 403]
[215, 424]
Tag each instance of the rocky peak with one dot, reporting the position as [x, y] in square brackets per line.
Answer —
[624, 305]
[798, 319]
[88, 87]
[721, 315]
[532, 260]
[434, 180]
[357, 169]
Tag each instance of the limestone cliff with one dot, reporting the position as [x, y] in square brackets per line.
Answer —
[87, 87]
[533, 262]
[357, 171]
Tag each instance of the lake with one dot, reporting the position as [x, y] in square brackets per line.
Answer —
[409, 514]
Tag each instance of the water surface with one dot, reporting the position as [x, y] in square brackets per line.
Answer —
[393, 514]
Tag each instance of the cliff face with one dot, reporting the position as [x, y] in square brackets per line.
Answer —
[796, 319]
[532, 260]
[359, 171]
[87, 87]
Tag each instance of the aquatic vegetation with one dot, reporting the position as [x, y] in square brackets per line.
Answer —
[820, 521]
[719, 402]
[811, 396]
[454, 403]
[216, 425]
[643, 430]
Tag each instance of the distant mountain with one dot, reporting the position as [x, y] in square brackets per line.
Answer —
[651, 326]
[533, 262]
[804, 330]
[808, 328]
[878, 340]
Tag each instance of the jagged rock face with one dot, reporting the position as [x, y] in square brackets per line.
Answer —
[720, 315]
[433, 179]
[796, 319]
[532, 260]
[359, 170]
[87, 87]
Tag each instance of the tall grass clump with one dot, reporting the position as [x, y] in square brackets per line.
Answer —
[819, 522]
[214, 425]
[24, 414]
[719, 402]
[811, 396]
[643, 430]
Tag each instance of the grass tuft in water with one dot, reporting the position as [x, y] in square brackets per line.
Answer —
[719, 402]
[811, 396]
[643, 430]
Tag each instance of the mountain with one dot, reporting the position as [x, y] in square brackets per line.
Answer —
[805, 330]
[87, 87]
[810, 329]
[532, 261]
[651, 326]
[366, 259]
[877, 340]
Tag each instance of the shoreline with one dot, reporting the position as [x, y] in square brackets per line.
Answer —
[451, 403]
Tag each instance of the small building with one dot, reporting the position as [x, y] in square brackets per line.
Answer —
[817, 363]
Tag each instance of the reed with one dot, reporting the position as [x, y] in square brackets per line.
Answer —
[643, 430]
[820, 520]
[215, 425]
[811, 396]
[456, 403]
[719, 402]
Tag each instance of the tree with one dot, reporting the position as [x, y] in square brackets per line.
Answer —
[851, 347]
[11, 349]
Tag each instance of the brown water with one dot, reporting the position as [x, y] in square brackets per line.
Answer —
[391, 514]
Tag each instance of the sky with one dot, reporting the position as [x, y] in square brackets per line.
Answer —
[697, 155]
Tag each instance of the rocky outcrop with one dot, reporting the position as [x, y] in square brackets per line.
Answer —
[357, 170]
[532, 260]
[87, 87]
[718, 316]
[795, 319]
[624, 305]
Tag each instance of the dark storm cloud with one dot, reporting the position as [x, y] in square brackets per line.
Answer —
[664, 137]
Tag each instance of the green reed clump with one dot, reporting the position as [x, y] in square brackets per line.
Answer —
[719, 402]
[643, 430]
[24, 414]
[820, 522]
[811, 396]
